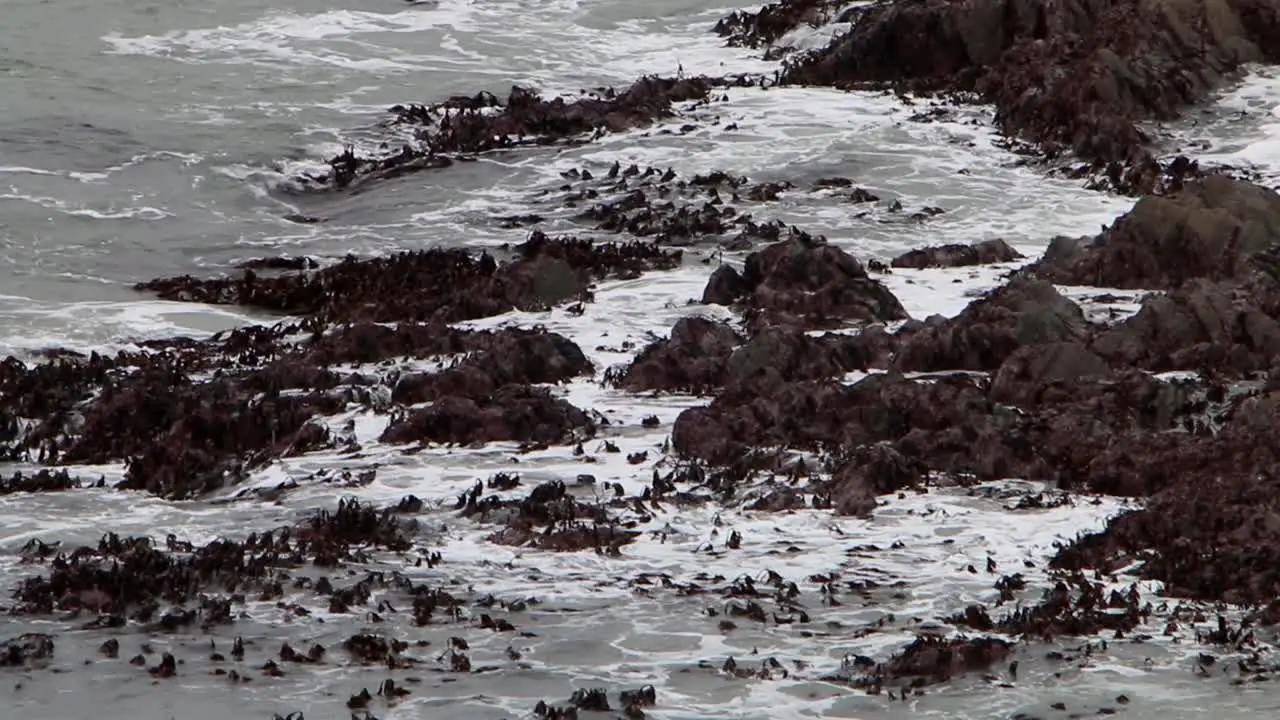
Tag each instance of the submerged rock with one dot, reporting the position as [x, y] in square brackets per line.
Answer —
[934, 659]
[981, 253]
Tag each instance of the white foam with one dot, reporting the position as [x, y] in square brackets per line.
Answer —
[1241, 129]
[296, 39]
[107, 327]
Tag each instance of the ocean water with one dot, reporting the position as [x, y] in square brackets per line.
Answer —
[139, 140]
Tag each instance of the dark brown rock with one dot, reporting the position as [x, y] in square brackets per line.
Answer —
[1226, 326]
[693, 359]
[548, 518]
[512, 413]
[1023, 312]
[1033, 366]
[805, 282]
[956, 255]
[870, 471]
[935, 659]
[25, 650]
[506, 357]
[1207, 230]
[132, 575]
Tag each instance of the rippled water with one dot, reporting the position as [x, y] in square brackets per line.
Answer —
[139, 140]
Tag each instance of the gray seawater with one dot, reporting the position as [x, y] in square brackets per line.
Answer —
[147, 139]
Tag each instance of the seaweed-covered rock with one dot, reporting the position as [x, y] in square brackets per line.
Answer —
[518, 413]
[804, 282]
[1208, 230]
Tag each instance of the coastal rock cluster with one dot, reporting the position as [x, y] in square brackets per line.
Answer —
[1069, 76]
[821, 392]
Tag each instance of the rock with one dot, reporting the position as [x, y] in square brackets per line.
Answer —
[769, 24]
[1031, 367]
[934, 659]
[25, 650]
[693, 359]
[510, 356]
[824, 414]
[131, 576]
[1023, 312]
[1225, 326]
[806, 283]
[548, 518]
[723, 287]
[428, 286]
[1207, 230]
[981, 253]
[776, 355]
[867, 472]
[43, 480]
[513, 413]
[1214, 493]
[625, 261]
[281, 262]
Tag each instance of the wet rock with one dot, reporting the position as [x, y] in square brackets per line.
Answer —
[1229, 327]
[886, 432]
[507, 357]
[786, 354]
[724, 286]
[767, 26]
[428, 286]
[1208, 231]
[1074, 606]
[804, 282]
[282, 262]
[692, 359]
[370, 648]
[975, 617]
[512, 413]
[1066, 75]
[625, 261]
[1023, 312]
[675, 210]
[1030, 368]
[956, 255]
[935, 659]
[870, 471]
[26, 649]
[43, 480]
[549, 518]
[773, 355]
[421, 286]
[1208, 492]
[813, 415]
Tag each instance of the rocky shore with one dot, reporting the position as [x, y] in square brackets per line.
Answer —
[822, 393]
